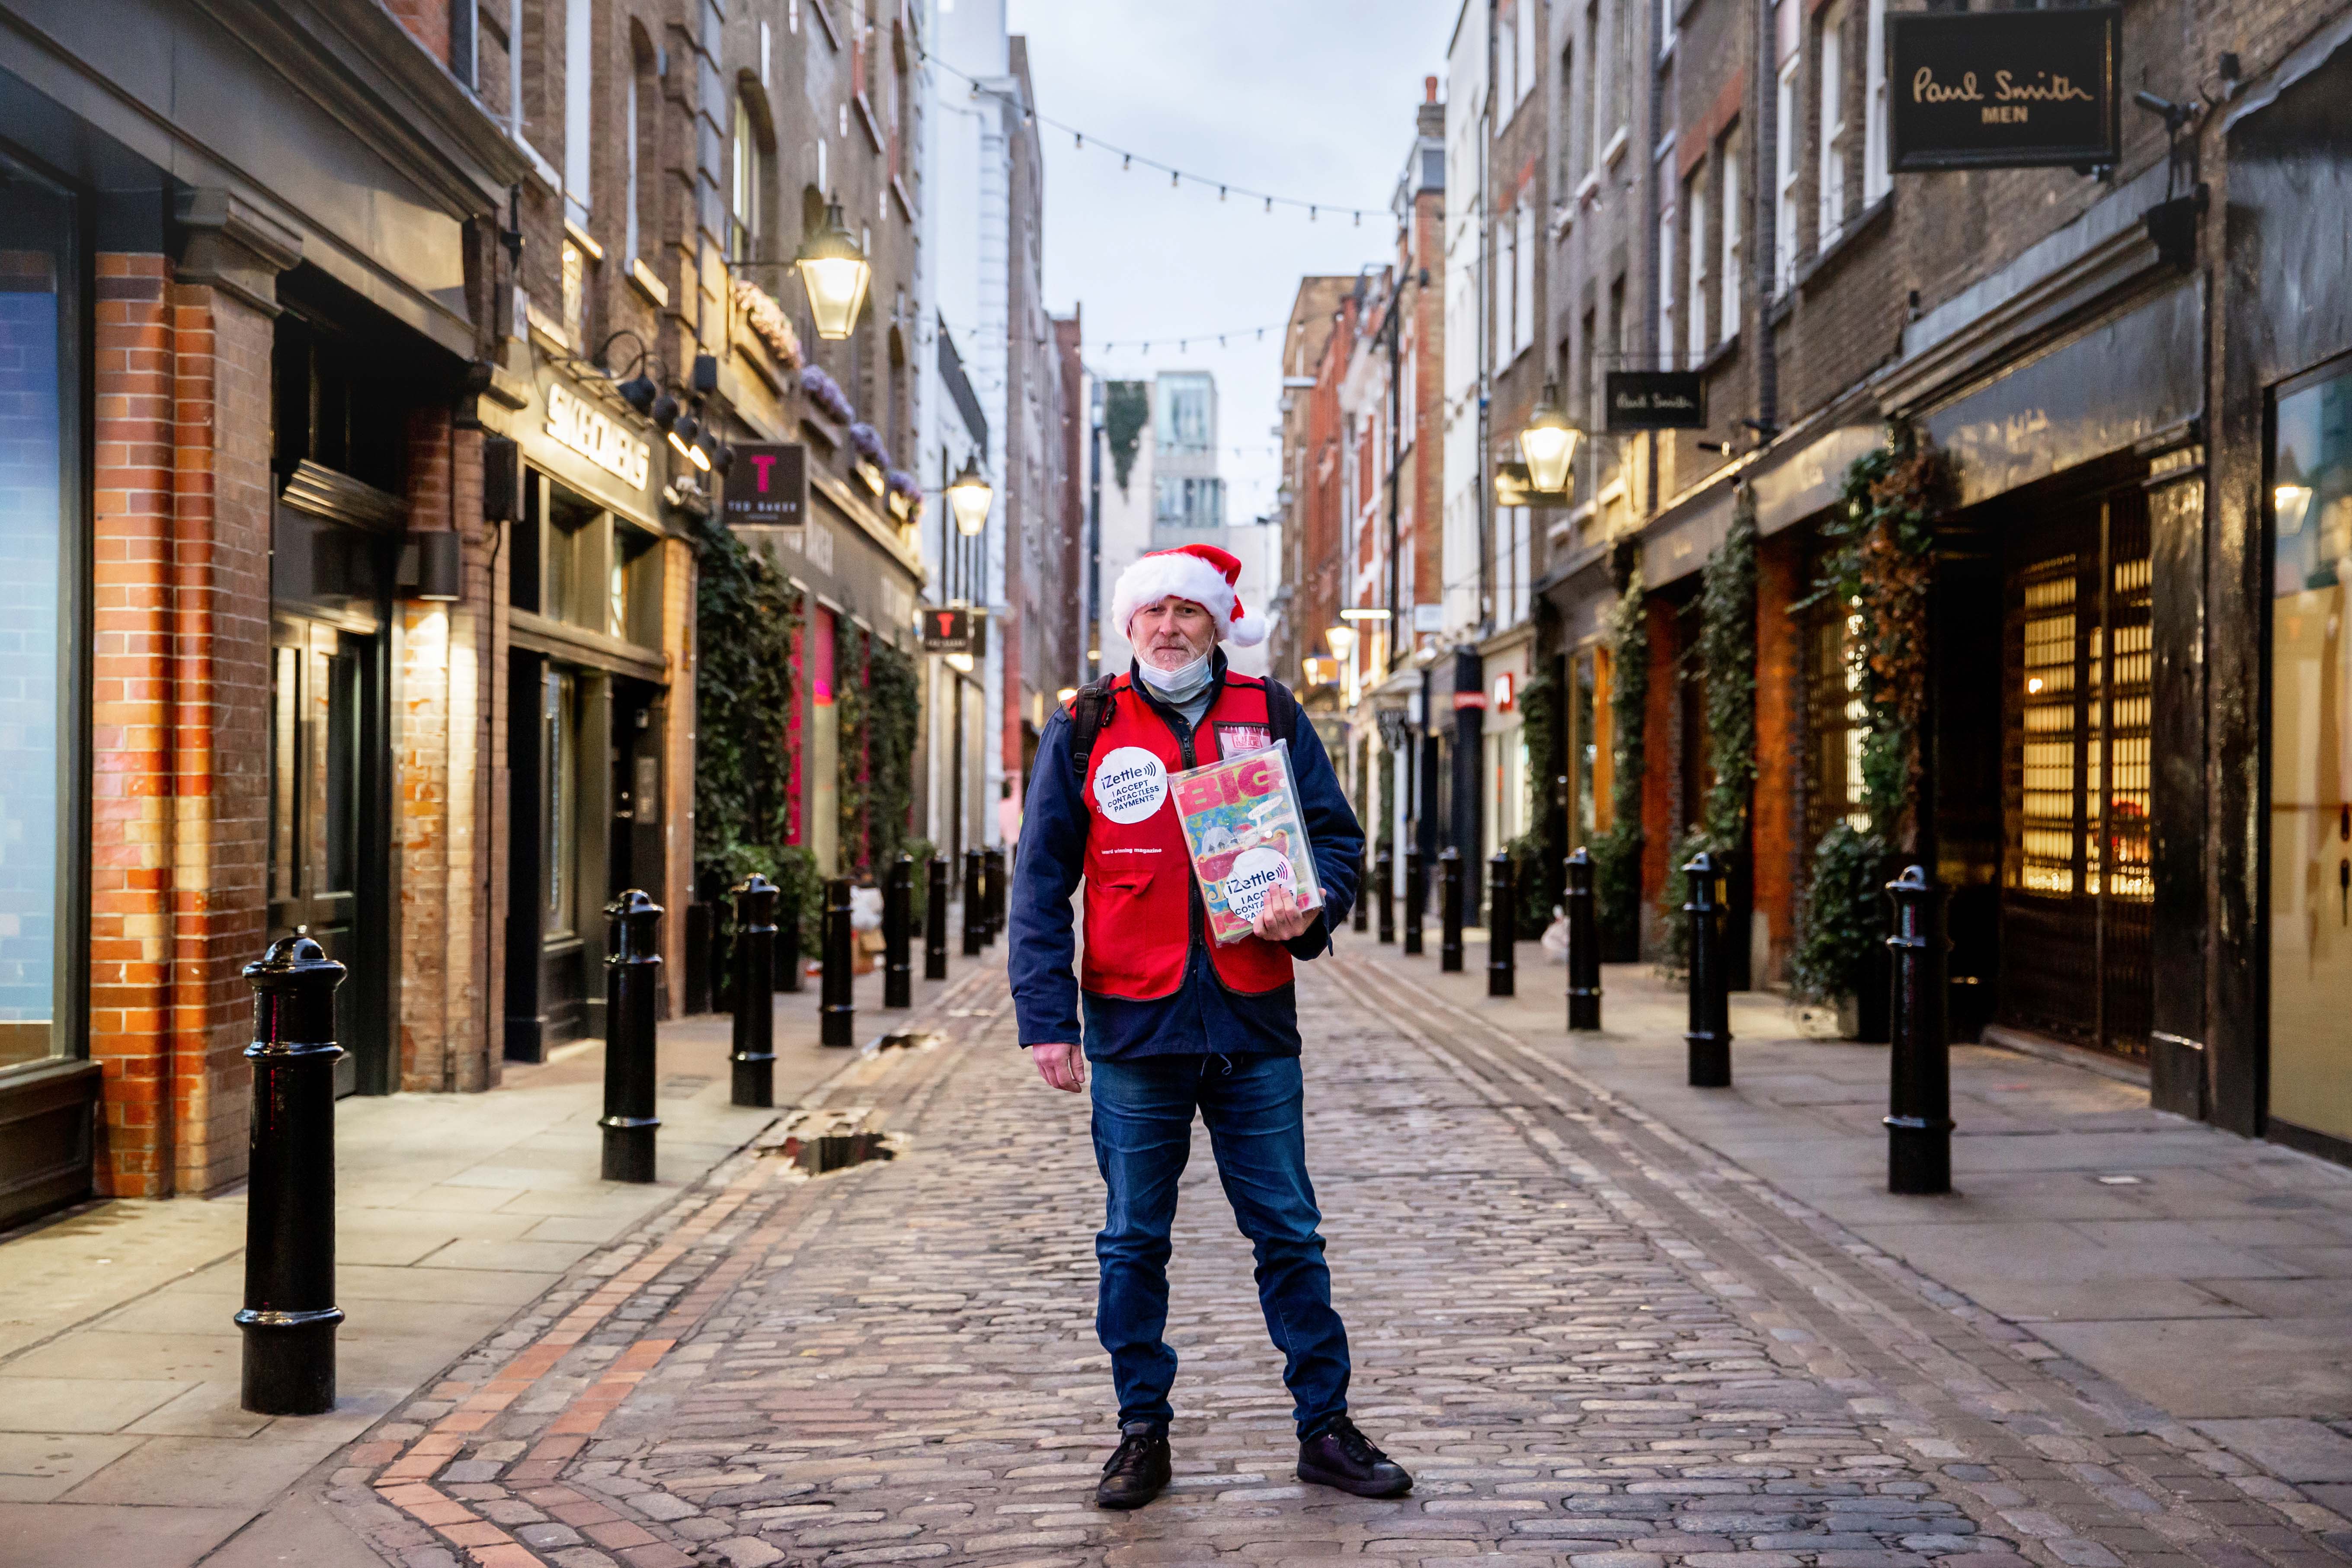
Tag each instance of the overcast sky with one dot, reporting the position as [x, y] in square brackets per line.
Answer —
[1312, 99]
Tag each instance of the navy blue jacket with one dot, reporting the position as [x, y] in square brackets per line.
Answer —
[1202, 1016]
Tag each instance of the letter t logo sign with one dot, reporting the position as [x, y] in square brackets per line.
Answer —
[760, 463]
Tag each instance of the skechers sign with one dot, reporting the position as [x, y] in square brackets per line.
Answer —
[2004, 90]
[592, 433]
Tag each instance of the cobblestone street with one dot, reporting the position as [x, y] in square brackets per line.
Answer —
[1591, 1341]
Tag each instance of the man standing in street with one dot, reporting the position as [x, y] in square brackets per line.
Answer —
[1175, 1023]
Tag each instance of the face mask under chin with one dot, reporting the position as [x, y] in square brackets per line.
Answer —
[1176, 685]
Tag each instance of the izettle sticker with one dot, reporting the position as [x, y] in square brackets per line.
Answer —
[1130, 784]
[1256, 873]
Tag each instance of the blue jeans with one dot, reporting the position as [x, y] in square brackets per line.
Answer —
[1143, 1133]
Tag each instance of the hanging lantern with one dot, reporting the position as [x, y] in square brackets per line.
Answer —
[1548, 444]
[969, 498]
[835, 272]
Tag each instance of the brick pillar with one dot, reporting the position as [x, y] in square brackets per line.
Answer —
[677, 758]
[131, 718]
[441, 792]
[1779, 827]
[180, 711]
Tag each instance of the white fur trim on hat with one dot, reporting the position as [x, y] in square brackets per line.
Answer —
[1201, 573]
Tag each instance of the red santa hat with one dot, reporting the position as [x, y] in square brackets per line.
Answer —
[1201, 573]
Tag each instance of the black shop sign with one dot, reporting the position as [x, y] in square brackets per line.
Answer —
[1656, 400]
[947, 629]
[768, 487]
[2004, 90]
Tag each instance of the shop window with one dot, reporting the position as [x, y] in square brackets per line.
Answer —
[2076, 886]
[2309, 848]
[1834, 138]
[560, 752]
[753, 177]
[38, 767]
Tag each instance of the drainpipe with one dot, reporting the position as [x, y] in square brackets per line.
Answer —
[1762, 260]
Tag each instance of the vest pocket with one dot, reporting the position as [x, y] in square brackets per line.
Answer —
[1120, 941]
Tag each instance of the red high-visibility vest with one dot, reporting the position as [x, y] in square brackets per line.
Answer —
[1138, 906]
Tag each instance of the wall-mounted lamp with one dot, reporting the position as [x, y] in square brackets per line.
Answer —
[433, 566]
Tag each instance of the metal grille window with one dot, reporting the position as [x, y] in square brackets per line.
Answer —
[2075, 885]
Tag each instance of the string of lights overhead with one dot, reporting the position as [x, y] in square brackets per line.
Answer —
[1130, 160]
[1183, 341]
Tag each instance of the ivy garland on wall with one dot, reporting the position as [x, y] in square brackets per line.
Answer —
[1726, 666]
[893, 706]
[1534, 863]
[1617, 854]
[1882, 535]
[747, 629]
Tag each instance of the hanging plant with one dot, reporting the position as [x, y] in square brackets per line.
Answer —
[1127, 409]
[826, 393]
[1617, 854]
[1878, 569]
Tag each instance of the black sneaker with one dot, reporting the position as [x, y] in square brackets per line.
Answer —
[1138, 1471]
[1341, 1457]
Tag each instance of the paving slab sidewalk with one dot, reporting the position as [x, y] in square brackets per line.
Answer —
[120, 1437]
[2205, 1275]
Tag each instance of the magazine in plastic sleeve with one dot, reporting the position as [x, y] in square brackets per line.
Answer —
[1244, 829]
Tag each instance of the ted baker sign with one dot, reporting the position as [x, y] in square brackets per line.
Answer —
[587, 430]
[2004, 90]
[768, 487]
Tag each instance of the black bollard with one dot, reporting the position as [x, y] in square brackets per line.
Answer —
[992, 876]
[1583, 945]
[935, 921]
[1416, 899]
[837, 1012]
[754, 1055]
[1709, 1037]
[788, 940]
[1362, 920]
[1502, 927]
[1919, 1089]
[290, 1314]
[898, 916]
[972, 920]
[1384, 873]
[1449, 877]
[632, 988]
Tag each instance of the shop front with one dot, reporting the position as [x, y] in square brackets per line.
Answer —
[47, 1084]
[597, 589]
[2280, 1052]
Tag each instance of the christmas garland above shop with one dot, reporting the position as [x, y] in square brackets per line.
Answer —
[1617, 854]
[1882, 534]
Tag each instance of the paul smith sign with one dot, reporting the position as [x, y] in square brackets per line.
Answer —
[585, 428]
[2004, 90]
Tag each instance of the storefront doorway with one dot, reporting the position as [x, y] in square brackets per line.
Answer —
[2076, 886]
[2310, 762]
[326, 756]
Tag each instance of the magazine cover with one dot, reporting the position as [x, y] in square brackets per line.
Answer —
[1241, 825]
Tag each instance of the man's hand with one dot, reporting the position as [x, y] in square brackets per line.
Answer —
[1279, 917]
[1061, 1064]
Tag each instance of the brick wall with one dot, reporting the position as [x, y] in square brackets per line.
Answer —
[179, 713]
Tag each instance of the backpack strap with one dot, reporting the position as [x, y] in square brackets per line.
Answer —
[1090, 709]
[1281, 712]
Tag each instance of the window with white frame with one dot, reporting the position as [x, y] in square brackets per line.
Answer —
[1522, 286]
[1875, 180]
[1727, 180]
[1695, 202]
[1833, 139]
[1664, 293]
[579, 128]
[1527, 48]
[1507, 284]
[1596, 129]
[1784, 226]
[1665, 25]
[1506, 64]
